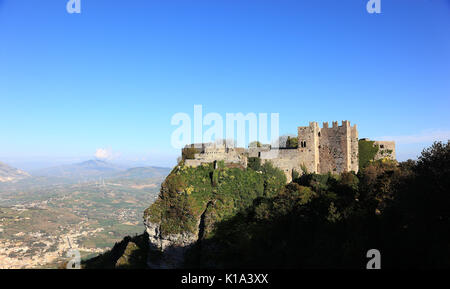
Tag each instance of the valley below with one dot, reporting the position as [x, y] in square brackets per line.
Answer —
[42, 220]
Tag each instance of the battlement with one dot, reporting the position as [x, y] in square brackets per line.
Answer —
[335, 124]
[320, 150]
[343, 128]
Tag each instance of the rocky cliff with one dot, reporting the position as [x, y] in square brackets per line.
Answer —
[172, 246]
[193, 200]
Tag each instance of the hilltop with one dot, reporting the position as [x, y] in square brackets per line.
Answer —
[85, 170]
[218, 216]
[95, 169]
[10, 174]
[334, 149]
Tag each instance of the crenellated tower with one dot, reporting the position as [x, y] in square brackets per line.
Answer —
[323, 150]
[329, 149]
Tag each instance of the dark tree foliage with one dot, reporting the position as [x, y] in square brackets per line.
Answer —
[367, 151]
[130, 253]
[317, 221]
[254, 163]
[292, 142]
[189, 153]
[327, 221]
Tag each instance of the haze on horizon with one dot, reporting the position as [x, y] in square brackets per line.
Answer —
[109, 80]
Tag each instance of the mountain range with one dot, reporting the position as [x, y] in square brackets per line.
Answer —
[94, 169]
[10, 174]
[84, 171]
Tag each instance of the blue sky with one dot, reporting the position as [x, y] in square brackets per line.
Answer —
[113, 76]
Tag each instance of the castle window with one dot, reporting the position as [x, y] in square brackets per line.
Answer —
[319, 134]
[382, 146]
[303, 144]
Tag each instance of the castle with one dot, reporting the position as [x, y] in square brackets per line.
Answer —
[320, 150]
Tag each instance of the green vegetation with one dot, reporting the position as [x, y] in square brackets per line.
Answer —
[367, 152]
[255, 144]
[93, 215]
[254, 163]
[292, 142]
[385, 152]
[186, 193]
[330, 221]
[253, 220]
[295, 175]
[189, 153]
[130, 253]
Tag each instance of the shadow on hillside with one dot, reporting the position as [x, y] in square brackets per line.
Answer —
[320, 221]
[130, 253]
[290, 241]
[326, 222]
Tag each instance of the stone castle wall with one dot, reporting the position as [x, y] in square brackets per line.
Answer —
[320, 150]
[308, 146]
[255, 152]
[386, 149]
[285, 159]
[209, 153]
[338, 148]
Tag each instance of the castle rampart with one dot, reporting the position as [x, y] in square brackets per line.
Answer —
[386, 149]
[320, 150]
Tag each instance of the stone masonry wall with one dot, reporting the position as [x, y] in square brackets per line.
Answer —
[320, 150]
[385, 149]
[211, 152]
[285, 159]
[308, 147]
[329, 149]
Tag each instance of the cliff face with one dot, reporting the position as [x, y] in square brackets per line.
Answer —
[172, 246]
[230, 218]
[192, 200]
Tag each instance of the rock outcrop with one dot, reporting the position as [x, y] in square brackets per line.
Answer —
[193, 200]
[171, 247]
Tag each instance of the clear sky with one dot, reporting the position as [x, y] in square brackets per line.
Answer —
[113, 76]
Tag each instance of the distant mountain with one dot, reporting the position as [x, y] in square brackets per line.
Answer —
[10, 174]
[143, 173]
[85, 170]
[94, 169]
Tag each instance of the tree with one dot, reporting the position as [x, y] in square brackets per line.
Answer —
[255, 144]
[292, 142]
[254, 163]
[367, 151]
[189, 153]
